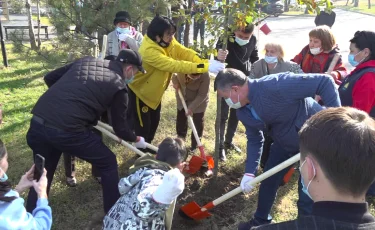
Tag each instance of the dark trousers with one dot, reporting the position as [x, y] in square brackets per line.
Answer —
[145, 119]
[232, 123]
[199, 27]
[51, 143]
[182, 125]
[268, 188]
[69, 161]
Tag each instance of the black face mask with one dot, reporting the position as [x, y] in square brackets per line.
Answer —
[163, 43]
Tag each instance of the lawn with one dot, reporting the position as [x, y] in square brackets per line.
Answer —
[362, 6]
[74, 208]
[44, 20]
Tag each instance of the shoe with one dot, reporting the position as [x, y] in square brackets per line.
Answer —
[71, 181]
[222, 155]
[251, 223]
[231, 146]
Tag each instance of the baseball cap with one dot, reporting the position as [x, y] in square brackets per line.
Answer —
[132, 57]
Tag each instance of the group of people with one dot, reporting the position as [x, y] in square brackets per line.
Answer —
[281, 103]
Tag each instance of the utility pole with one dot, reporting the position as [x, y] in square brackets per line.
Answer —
[3, 51]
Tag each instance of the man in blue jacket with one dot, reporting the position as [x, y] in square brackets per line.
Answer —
[279, 105]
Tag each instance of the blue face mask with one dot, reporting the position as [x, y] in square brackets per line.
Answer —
[130, 80]
[304, 188]
[4, 177]
[270, 59]
[241, 42]
[231, 104]
[352, 61]
[123, 30]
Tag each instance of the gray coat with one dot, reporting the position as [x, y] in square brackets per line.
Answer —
[259, 68]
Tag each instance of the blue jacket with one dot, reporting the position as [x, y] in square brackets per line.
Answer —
[280, 104]
[13, 215]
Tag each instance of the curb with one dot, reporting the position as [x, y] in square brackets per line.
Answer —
[354, 11]
[299, 15]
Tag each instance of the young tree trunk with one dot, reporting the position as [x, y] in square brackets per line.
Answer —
[31, 26]
[347, 1]
[356, 2]
[286, 6]
[187, 25]
[369, 4]
[38, 11]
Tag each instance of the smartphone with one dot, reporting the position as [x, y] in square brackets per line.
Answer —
[39, 167]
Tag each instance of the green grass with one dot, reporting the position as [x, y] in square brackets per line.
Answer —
[362, 6]
[44, 20]
[20, 87]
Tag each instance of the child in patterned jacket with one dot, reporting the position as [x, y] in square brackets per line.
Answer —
[148, 194]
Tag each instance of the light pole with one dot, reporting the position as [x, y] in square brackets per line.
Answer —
[3, 51]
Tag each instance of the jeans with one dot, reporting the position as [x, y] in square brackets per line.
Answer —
[181, 126]
[268, 187]
[232, 123]
[52, 142]
[199, 27]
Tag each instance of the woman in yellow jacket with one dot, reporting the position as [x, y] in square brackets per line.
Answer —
[162, 55]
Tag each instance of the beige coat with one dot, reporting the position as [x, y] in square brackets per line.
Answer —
[113, 44]
[196, 93]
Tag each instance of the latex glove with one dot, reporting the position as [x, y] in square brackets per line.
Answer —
[141, 144]
[222, 55]
[172, 186]
[246, 188]
[215, 66]
[123, 37]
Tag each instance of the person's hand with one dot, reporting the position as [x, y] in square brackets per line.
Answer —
[41, 185]
[215, 66]
[222, 55]
[141, 143]
[176, 86]
[26, 181]
[335, 75]
[246, 188]
[123, 37]
[189, 113]
[317, 98]
[172, 186]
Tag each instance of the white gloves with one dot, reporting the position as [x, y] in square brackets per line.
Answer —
[215, 66]
[246, 188]
[123, 37]
[222, 55]
[172, 186]
[141, 144]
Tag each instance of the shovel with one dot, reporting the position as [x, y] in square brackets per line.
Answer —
[193, 211]
[196, 162]
[110, 129]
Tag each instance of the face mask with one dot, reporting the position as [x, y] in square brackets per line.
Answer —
[315, 51]
[4, 177]
[352, 61]
[163, 43]
[241, 42]
[270, 59]
[123, 30]
[304, 188]
[231, 104]
[128, 81]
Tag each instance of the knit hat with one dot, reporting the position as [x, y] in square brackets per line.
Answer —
[122, 16]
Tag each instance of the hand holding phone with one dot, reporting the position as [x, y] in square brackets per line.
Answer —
[39, 167]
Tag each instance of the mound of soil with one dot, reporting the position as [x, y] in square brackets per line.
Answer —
[203, 190]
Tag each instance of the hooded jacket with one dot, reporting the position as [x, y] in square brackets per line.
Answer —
[159, 64]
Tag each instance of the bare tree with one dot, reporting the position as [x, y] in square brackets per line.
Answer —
[38, 12]
[369, 4]
[356, 3]
[31, 26]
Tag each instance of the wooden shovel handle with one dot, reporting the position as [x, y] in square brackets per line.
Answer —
[109, 128]
[104, 47]
[256, 180]
[333, 63]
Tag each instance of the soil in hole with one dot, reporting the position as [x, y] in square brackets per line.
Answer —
[204, 190]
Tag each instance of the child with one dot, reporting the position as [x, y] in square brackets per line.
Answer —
[148, 194]
[195, 89]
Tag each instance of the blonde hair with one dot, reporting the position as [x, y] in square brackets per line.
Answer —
[325, 35]
[278, 47]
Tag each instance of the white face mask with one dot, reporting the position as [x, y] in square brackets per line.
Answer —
[315, 51]
[231, 104]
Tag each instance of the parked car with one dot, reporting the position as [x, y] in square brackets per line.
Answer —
[272, 7]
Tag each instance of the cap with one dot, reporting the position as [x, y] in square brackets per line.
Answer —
[132, 57]
[122, 16]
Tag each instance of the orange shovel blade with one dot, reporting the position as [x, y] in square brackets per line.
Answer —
[210, 162]
[195, 164]
[193, 210]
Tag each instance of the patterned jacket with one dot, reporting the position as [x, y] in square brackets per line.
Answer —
[136, 209]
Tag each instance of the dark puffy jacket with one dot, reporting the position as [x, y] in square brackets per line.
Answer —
[79, 93]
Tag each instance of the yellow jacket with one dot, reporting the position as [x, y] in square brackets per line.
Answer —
[160, 63]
